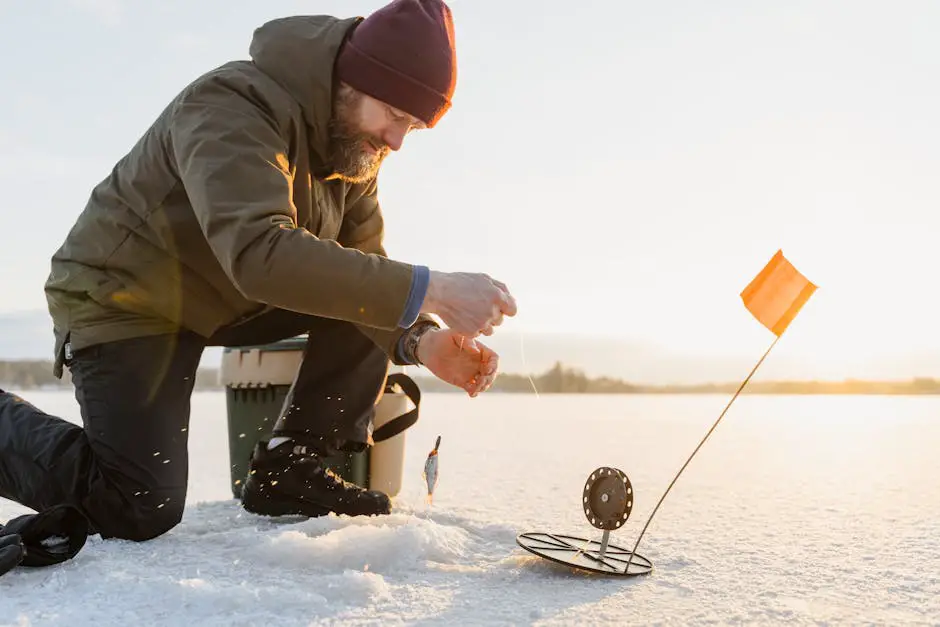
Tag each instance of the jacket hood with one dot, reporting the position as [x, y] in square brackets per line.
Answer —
[299, 53]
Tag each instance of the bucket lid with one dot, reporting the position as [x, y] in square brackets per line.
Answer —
[297, 343]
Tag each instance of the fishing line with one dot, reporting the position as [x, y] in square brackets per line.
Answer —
[525, 366]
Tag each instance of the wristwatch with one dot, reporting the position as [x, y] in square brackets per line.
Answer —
[411, 339]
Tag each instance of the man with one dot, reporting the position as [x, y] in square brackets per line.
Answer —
[245, 214]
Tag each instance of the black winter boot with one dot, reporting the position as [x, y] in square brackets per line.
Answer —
[291, 480]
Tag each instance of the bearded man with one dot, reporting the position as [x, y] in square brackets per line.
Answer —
[248, 213]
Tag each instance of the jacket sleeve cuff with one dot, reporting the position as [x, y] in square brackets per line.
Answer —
[400, 358]
[420, 278]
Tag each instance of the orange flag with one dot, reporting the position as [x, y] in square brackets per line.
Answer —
[777, 294]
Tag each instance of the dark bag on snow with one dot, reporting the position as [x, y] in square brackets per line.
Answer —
[50, 537]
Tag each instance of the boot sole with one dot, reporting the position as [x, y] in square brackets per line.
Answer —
[266, 503]
[272, 506]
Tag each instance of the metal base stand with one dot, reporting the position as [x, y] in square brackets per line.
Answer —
[607, 501]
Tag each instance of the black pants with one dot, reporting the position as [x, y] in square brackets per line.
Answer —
[127, 469]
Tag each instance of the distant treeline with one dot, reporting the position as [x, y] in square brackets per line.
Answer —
[562, 380]
[32, 374]
[22, 375]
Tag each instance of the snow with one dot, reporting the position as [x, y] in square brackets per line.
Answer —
[797, 509]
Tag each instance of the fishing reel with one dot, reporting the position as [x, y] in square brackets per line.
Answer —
[607, 500]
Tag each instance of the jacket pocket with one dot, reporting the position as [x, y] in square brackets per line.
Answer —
[114, 294]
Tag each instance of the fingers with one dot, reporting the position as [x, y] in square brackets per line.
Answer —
[481, 384]
[478, 385]
[495, 321]
[486, 373]
[482, 372]
[507, 304]
[465, 330]
[480, 308]
[489, 360]
[466, 344]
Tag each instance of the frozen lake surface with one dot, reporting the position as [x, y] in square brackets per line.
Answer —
[798, 509]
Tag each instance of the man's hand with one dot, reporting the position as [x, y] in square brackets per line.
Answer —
[470, 304]
[463, 362]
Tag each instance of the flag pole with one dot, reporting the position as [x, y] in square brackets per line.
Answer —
[672, 483]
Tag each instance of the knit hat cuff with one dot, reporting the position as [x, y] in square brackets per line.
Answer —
[369, 75]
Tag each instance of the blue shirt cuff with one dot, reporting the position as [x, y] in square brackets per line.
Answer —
[420, 277]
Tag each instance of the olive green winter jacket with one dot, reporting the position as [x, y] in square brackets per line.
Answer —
[221, 210]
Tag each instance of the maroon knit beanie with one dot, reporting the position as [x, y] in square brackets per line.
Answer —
[404, 55]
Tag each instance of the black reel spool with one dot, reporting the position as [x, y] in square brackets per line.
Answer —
[607, 498]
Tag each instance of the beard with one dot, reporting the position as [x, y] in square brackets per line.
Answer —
[349, 157]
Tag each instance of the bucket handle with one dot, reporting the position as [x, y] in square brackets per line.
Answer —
[396, 425]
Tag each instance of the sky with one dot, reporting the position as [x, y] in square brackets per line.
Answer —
[625, 167]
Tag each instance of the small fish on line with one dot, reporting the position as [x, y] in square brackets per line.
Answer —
[430, 469]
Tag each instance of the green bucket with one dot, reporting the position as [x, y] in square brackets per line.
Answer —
[257, 379]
